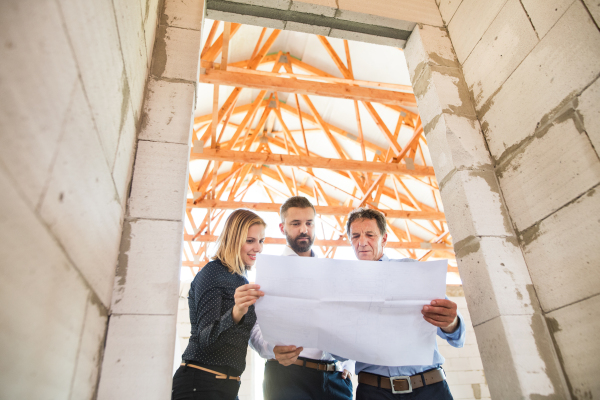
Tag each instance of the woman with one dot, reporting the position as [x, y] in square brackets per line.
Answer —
[222, 314]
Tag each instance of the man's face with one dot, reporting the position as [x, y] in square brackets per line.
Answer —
[367, 241]
[298, 228]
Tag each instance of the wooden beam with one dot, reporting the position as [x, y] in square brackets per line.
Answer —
[214, 50]
[311, 162]
[329, 243]
[324, 210]
[339, 90]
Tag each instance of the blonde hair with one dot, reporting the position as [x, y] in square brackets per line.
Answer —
[235, 232]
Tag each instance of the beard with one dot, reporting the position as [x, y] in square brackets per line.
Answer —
[296, 245]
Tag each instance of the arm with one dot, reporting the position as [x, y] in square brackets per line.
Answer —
[210, 322]
[258, 344]
[444, 314]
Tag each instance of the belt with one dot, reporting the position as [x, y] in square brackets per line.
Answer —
[319, 366]
[218, 375]
[403, 384]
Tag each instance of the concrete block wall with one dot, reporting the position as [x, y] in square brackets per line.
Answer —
[516, 346]
[140, 342]
[464, 369]
[71, 93]
[532, 69]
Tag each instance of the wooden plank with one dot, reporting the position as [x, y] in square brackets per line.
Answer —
[329, 243]
[215, 49]
[311, 162]
[338, 90]
[324, 210]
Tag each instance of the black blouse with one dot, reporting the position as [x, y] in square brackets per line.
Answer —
[215, 338]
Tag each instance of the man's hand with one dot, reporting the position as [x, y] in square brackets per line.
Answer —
[441, 313]
[244, 296]
[287, 355]
[346, 374]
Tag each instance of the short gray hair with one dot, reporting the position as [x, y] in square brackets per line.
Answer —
[295, 201]
[367, 213]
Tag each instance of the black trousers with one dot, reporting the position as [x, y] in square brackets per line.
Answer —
[194, 384]
[437, 391]
[295, 382]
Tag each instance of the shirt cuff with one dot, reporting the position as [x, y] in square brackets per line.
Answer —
[457, 332]
[349, 366]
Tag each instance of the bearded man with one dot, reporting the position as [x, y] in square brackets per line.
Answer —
[295, 373]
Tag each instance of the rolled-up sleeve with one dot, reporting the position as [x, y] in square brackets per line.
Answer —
[456, 338]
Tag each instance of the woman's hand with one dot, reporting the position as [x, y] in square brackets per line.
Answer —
[245, 296]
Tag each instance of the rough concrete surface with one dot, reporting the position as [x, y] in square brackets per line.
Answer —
[594, 7]
[148, 271]
[138, 360]
[124, 159]
[575, 331]
[473, 205]
[150, 22]
[91, 346]
[31, 128]
[428, 45]
[549, 172]
[589, 110]
[545, 13]
[41, 325]
[177, 54]
[515, 350]
[92, 31]
[447, 9]
[81, 206]
[164, 118]
[133, 47]
[471, 20]
[183, 14]
[456, 143]
[563, 255]
[495, 278]
[159, 184]
[559, 67]
[501, 49]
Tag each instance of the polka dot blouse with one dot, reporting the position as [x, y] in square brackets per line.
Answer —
[215, 338]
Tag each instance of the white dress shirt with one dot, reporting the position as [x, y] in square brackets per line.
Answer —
[258, 344]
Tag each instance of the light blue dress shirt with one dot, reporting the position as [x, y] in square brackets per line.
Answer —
[455, 339]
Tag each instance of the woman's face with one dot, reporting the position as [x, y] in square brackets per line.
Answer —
[253, 245]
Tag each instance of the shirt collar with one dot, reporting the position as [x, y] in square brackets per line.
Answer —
[287, 251]
[384, 258]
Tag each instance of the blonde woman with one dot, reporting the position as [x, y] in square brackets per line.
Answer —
[222, 314]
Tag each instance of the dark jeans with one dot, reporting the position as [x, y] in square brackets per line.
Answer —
[194, 384]
[437, 391]
[295, 382]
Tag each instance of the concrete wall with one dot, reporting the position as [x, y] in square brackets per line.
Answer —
[72, 79]
[532, 70]
[463, 366]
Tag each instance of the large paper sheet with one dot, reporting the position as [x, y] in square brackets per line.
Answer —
[367, 311]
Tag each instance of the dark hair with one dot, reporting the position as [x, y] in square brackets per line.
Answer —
[367, 213]
[295, 201]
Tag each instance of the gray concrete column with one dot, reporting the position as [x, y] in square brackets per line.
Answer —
[140, 342]
[519, 358]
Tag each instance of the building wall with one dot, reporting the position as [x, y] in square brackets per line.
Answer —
[532, 69]
[72, 80]
[463, 366]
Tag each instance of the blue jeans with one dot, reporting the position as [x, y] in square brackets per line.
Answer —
[437, 391]
[295, 382]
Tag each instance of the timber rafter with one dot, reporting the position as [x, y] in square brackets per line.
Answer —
[282, 149]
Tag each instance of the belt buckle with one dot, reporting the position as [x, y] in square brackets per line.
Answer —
[407, 378]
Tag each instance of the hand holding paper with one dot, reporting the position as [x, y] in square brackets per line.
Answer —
[367, 311]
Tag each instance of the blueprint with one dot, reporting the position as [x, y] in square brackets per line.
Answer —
[367, 311]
